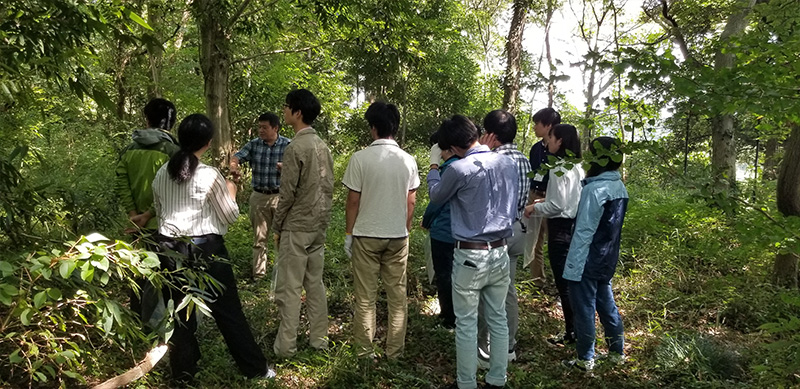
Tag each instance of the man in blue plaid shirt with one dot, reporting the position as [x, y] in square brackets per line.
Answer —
[501, 129]
[264, 154]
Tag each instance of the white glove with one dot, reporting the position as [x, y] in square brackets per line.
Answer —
[436, 155]
[348, 245]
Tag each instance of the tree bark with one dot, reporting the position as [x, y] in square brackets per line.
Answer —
[788, 200]
[769, 171]
[215, 56]
[723, 147]
[514, 56]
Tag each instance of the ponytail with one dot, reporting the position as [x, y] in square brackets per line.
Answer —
[182, 165]
[194, 133]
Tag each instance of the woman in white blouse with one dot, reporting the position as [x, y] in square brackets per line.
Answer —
[560, 207]
[195, 205]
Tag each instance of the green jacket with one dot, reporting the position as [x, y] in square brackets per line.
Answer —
[138, 163]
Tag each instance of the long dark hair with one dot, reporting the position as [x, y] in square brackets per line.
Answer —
[570, 141]
[606, 155]
[194, 133]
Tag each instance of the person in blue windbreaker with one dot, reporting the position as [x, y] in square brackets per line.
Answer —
[594, 253]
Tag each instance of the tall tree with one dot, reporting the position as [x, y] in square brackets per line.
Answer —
[214, 23]
[514, 51]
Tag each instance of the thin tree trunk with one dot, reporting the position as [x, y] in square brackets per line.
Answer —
[769, 171]
[119, 80]
[788, 200]
[551, 82]
[514, 56]
[155, 52]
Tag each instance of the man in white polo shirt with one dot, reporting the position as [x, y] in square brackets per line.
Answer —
[383, 181]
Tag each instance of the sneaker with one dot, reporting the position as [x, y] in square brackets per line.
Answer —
[584, 366]
[483, 358]
[270, 374]
[612, 357]
[561, 340]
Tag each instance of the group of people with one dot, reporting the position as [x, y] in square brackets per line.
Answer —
[489, 206]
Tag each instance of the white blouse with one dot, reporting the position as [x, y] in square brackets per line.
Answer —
[563, 193]
[199, 206]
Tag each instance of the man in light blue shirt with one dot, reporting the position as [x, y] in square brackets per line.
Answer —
[482, 189]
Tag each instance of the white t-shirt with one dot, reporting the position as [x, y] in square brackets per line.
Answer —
[384, 174]
[563, 193]
[199, 206]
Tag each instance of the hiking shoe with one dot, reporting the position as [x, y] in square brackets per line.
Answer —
[612, 357]
[561, 340]
[584, 366]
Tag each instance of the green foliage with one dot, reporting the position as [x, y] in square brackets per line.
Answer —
[60, 311]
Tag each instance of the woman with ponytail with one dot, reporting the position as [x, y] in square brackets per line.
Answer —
[560, 206]
[195, 205]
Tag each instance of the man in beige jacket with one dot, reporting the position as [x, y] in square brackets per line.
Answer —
[300, 221]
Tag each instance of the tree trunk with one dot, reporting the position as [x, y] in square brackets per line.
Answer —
[588, 115]
[788, 200]
[215, 62]
[723, 160]
[123, 56]
[514, 56]
[551, 82]
[769, 171]
[155, 51]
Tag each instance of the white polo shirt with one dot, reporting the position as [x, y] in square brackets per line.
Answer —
[384, 174]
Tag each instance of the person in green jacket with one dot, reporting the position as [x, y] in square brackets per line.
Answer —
[139, 162]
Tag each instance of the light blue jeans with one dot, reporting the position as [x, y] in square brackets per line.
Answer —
[480, 276]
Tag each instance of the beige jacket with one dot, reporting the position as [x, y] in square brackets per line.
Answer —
[306, 185]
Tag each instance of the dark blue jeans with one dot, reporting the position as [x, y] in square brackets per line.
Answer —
[559, 237]
[442, 253]
[587, 297]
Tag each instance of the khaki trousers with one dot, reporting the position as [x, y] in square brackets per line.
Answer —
[387, 258]
[299, 266]
[534, 241]
[262, 209]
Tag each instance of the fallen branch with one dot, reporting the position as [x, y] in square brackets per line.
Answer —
[138, 371]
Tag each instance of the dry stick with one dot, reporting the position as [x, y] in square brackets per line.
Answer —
[138, 371]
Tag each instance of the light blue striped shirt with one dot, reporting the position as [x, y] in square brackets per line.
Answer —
[482, 189]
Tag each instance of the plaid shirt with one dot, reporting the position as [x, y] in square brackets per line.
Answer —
[264, 161]
[523, 168]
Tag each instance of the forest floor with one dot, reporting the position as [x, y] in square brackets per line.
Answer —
[690, 320]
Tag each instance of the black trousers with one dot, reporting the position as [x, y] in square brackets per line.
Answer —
[559, 236]
[226, 308]
[442, 253]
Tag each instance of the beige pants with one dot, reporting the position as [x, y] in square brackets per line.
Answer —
[387, 258]
[262, 209]
[534, 241]
[299, 266]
